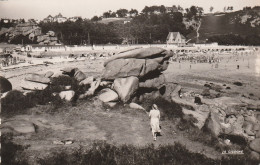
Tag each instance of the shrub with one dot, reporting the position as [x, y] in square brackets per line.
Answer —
[237, 83]
[168, 109]
[10, 151]
[103, 153]
[16, 102]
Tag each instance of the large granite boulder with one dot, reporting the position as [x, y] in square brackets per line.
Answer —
[5, 85]
[213, 124]
[121, 68]
[200, 114]
[255, 145]
[140, 53]
[126, 87]
[37, 78]
[29, 85]
[108, 96]
[18, 126]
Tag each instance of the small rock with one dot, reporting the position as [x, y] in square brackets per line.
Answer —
[227, 141]
[111, 104]
[79, 75]
[67, 95]
[197, 100]
[136, 106]
[108, 96]
[237, 83]
[68, 87]
[87, 81]
[69, 71]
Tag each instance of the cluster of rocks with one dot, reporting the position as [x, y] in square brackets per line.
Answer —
[135, 74]
[128, 76]
[49, 38]
[226, 116]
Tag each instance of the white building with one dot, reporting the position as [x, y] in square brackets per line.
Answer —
[176, 38]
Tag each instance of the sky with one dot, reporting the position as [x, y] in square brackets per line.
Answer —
[39, 9]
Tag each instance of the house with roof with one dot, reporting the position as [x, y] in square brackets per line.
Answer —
[59, 18]
[176, 38]
[75, 18]
[171, 9]
[48, 19]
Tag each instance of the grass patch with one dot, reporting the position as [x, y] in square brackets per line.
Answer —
[104, 153]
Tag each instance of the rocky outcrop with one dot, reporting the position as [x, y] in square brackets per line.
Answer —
[145, 64]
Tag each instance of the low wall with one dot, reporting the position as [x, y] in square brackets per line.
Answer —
[76, 48]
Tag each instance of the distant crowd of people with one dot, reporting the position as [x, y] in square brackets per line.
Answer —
[8, 60]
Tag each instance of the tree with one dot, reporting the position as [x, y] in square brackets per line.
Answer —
[211, 8]
[95, 19]
[113, 14]
[146, 10]
[193, 10]
[122, 13]
[106, 14]
[180, 8]
[162, 9]
[133, 12]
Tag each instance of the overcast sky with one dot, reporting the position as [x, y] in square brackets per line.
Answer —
[40, 9]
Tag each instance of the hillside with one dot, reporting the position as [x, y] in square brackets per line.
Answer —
[241, 23]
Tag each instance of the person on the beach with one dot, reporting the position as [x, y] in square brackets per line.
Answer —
[155, 117]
